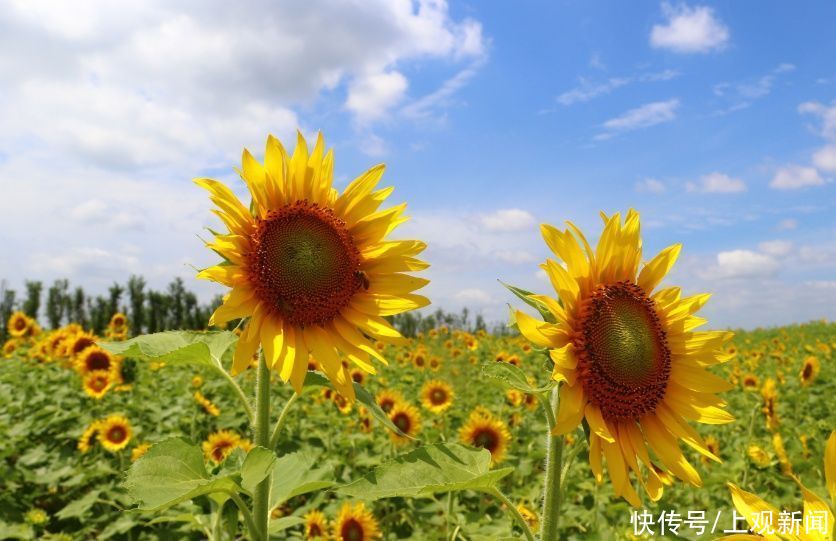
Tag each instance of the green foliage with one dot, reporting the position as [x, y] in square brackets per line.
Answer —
[199, 349]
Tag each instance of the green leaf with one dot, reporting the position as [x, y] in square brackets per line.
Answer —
[442, 467]
[294, 474]
[172, 472]
[177, 347]
[283, 523]
[78, 507]
[525, 296]
[513, 376]
[258, 465]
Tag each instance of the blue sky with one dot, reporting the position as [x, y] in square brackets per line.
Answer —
[717, 121]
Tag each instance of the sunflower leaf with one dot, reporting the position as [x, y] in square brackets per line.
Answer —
[442, 467]
[177, 347]
[294, 474]
[283, 523]
[171, 472]
[258, 465]
[513, 376]
[525, 296]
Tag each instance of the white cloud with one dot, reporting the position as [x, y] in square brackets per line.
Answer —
[650, 185]
[473, 296]
[794, 177]
[741, 95]
[649, 114]
[423, 107]
[787, 224]
[371, 96]
[689, 30]
[776, 248]
[741, 264]
[508, 220]
[827, 115]
[515, 257]
[717, 183]
[588, 90]
[825, 158]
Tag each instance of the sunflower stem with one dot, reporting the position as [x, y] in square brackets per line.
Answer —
[239, 393]
[552, 491]
[261, 494]
[514, 512]
[277, 430]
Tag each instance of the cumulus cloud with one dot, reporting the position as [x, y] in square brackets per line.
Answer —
[689, 30]
[649, 114]
[776, 248]
[473, 296]
[825, 158]
[741, 264]
[371, 96]
[717, 183]
[794, 177]
[508, 220]
[650, 185]
[825, 113]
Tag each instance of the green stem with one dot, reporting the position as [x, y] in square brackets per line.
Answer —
[274, 439]
[248, 517]
[261, 494]
[514, 511]
[552, 492]
[239, 392]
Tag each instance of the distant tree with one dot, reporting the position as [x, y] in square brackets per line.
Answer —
[32, 304]
[7, 307]
[78, 307]
[156, 311]
[177, 303]
[98, 311]
[480, 323]
[56, 302]
[115, 296]
[136, 293]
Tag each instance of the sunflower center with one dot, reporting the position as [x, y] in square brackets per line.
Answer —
[117, 434]
[808, 371]
[304, 264]
[438, 396]
[20, 324]
[98, 360]
[387, 404]
[352, 530]
[402, 421]
[81, 344]
[486, 439]
[623, 351]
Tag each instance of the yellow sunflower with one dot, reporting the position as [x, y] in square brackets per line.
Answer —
[437, 396]
[759, 456]
[355, 523]
[139, 451]
[85, 442]
[220, 444]
[530, 517]
[387, 399]
[817, 517]
[95, 358]
[9, 347]
[97, 383]
[316, 526]
[312, 268]
[809, 370]
[78, 343]
[486, 432]
[631, 363]
[407, 418]
[207, 405]
[19, 325]
[751, 382]
[115, 433]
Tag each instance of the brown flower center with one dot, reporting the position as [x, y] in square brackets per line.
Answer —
[402, 421]
[304, 263]
[624, 358]
[486, 438]
[438, 396]
[117, 434]
[352, 530]
[98, 360]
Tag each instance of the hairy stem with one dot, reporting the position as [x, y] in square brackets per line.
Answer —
[261, 495]
[552, 490]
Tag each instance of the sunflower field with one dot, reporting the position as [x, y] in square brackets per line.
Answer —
[313, 404]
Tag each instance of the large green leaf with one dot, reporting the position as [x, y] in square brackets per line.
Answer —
[442, 467]
[525, 296]
[283, 523]
[172, 472]
[513, 376]
[177, 347]
[295, 474]
[258, 465]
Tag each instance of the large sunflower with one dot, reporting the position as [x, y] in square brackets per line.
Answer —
[436, 396]
[316, 525]
[115, 433]
[355, 523]
[19, 324]
[311, 267]
[408, 420]
[631, 363]
[486, 432]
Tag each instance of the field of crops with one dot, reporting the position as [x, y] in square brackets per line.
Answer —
[74, 418]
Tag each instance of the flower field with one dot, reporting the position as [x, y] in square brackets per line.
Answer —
[75, 416]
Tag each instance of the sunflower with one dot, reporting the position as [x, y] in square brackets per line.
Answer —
[118, 321]
[809, 370]
[115, 433]
[769, 392]
[85, 442]
[751, 382]
[436, 396]
[529, 516]
[387, 399]
[311, 267]
[316, 526]
[19, 325]
[220, 444]
[97, 383]
[408, 420]
[514, 397]
[631, 363]
[713, 445]
[9, 347]
[94, 358]
[781, 453]
[207, 405]
[78, 343]
[759, 456]
[817, 518]
[420, 360]
[487, 433]
[355, 523]
[139, 451]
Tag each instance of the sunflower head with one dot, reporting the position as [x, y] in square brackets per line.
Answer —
[220, 444]
[316, 525]
[809, 370]
[486, 432]
[436, 396]
[97, 383]
[311, 267]
[408, 420]
[759, 456]
[627, 354]
[9, 347]
[139, 451]
[88, 437]
[95, 358]
[115, 433]
[19, 325]
[78, 343]
[355, 523]
[387, 399]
